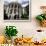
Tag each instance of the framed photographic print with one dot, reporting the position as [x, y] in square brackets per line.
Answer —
[16, 10]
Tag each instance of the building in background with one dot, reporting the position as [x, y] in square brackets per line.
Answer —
[16, 10]
[13, 11]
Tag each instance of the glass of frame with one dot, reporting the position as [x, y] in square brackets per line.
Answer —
[17, 10]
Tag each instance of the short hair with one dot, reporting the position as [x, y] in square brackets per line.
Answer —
[42, 7]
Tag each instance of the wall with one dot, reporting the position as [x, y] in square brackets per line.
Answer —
[25, 28]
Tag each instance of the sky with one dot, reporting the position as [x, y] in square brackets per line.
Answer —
[22, 2]
[17, 0]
